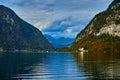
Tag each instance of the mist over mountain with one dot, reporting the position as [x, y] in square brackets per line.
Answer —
[16, 34]
[102, 34]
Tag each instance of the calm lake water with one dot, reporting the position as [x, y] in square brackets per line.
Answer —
[59, 66]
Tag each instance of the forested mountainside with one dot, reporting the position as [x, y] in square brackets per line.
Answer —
[16, 34]
[102, 34]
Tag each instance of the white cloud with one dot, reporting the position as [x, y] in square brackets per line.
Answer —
[69, 31]
[42, 13]
[40, 25]
[65, 23]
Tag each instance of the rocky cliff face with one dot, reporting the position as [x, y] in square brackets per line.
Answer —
[16, 34]
[105, 25]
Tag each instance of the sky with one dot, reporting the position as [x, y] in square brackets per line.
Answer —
[58, 18]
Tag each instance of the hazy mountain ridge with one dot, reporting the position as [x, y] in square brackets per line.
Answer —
[103, 29]
[16, 34]
[60, 42]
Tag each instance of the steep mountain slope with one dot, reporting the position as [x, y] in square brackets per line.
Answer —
[103, 32]
[60, 42]
[16, 34]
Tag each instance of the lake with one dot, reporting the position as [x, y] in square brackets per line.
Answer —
[59, 66]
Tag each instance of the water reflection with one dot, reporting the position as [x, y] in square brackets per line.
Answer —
[61, 66]
[12, 64]
[99, 65]
[39, 66]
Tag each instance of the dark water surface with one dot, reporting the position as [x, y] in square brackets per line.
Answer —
[59, 66]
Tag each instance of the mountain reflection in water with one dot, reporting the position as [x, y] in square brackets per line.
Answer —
[99, 65]
[59, 66]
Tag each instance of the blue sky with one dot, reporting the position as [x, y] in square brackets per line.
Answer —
[59, 18]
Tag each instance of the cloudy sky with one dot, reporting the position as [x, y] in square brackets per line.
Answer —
[58, 18]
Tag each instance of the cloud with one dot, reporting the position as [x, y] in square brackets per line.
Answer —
[67, 27]
[16, 1]
[69, 31]
[41, 25]
[47, 14]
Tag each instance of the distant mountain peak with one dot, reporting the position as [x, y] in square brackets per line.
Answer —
[59, 42]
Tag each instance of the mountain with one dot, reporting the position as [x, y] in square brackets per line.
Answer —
[102, 34]
[50, 38]
[60, 42]
[16, 34]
